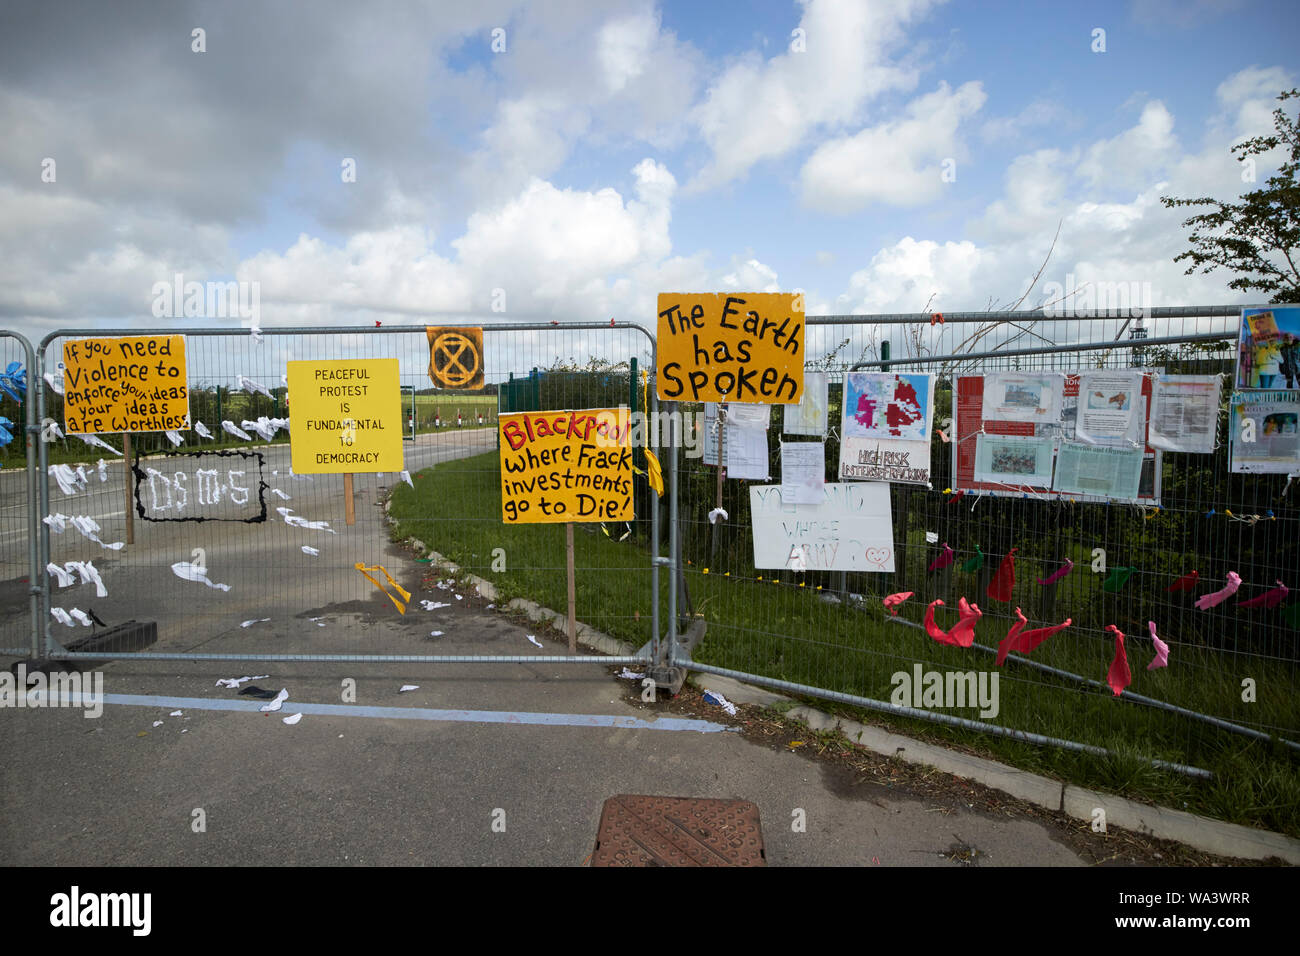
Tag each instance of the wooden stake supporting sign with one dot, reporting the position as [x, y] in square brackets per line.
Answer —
[349, 506]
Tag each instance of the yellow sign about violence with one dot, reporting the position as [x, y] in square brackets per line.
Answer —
[455, 356]
[731, 347]
[345, 415]
[134, 384]
[566, 466]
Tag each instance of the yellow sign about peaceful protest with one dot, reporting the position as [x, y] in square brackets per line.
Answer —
[133, 384]
[566, 466]
[731, 347]
[345, 416]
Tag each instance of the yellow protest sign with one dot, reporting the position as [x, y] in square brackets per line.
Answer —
[566, 466]
[133, 384]
[731, 347]
[455, 357]
[345, 416]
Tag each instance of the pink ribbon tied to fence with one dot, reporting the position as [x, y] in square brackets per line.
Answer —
[1004, 580]
[1207, 601]
[1018, 639]
[1118, 675]
[946, 557]
[894, 600]
[1057, 574]
[1271, 598]
[962, 633]
[1162, 649]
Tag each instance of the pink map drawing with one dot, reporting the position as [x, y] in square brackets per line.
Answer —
[905, 409]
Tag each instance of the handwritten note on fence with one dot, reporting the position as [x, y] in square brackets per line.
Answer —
[566, 466]
[851, 529]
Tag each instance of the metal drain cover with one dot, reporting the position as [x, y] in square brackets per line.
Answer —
[678, 831]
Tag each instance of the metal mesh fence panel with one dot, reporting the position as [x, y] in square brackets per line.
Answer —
[830, 630]
[19, 572]
[232, 508]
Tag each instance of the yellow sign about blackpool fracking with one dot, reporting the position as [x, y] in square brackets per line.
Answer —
[134, 384]
[345, 416]
[731, 347]
[566, 466]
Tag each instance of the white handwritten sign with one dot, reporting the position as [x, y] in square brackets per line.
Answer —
[852, 529]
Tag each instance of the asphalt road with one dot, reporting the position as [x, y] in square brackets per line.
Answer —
[264, 564]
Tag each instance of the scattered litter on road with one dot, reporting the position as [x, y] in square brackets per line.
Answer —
[459, 598]
[406, 477]
[432, 605]
[190, 572]
[252, 690]
[236, 681]
[185, 731]
[256, 620]
[630, 675]
[157, 723]
[277, 702]
[291, 719]
[713, 697]
[405, 687]
[176, 713]
[535, 640]
[490, 607]
[308, 549]
[435, 633]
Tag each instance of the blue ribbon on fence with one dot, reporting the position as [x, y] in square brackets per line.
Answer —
[6, 436]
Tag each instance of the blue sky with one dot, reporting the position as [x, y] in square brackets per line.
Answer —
[616, 149]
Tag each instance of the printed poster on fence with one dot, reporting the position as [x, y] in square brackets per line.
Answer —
[1268, 348]
[1184, 413]
[739, 347]
[566, 466]
[1023, 396]
[983, 461]
[1111, 409]
[885, 427]
[803, 472]
[744, 439]
[1266, 432]
[132, 384]
[851, 529]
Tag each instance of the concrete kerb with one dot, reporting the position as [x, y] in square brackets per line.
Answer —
[1202, 833]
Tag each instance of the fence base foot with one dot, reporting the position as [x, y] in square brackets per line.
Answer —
[115, 640]
[667, 678]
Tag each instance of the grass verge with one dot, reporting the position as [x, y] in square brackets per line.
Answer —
[779, 630]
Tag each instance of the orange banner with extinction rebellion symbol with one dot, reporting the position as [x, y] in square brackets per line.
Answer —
[566, 466]
[456, 356]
